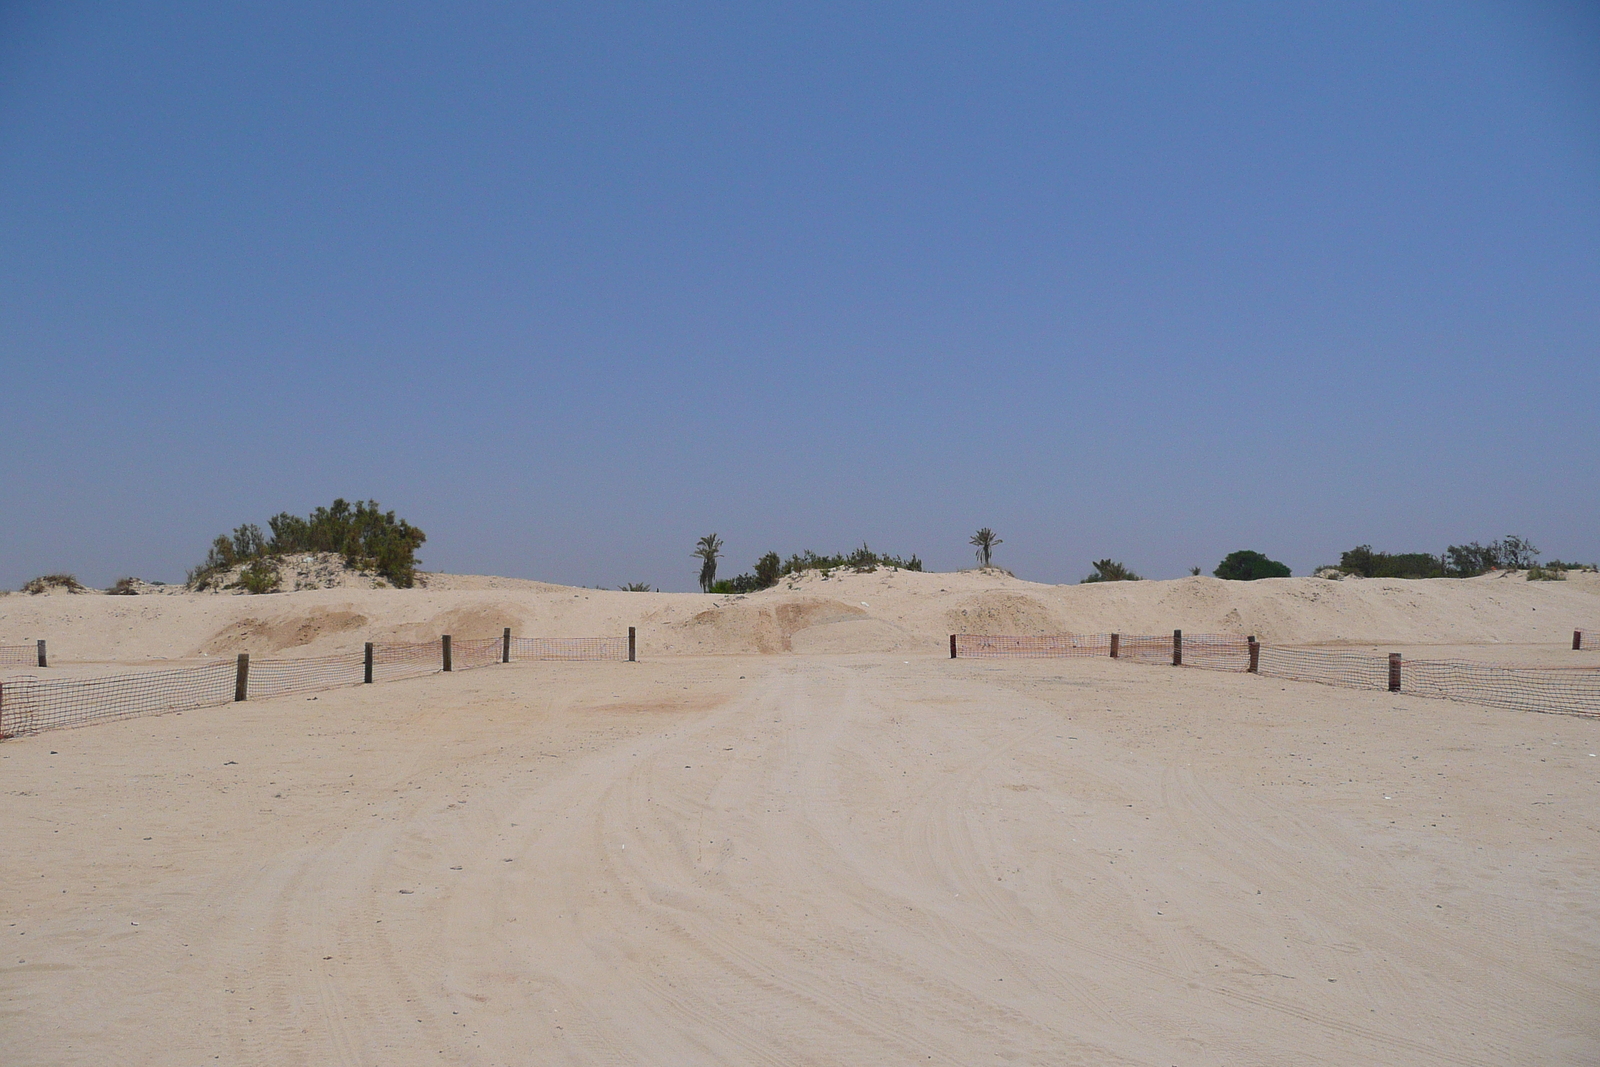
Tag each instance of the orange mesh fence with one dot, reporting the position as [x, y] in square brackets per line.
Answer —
[285, 677]
[1145, 648]
[19, 656]
[1216, 652]
[479, 652]
[30, 705]
[974, 646]
[1222, 652]
[570, 648]
[1350, 669]
[390, 662]
[1569, 692]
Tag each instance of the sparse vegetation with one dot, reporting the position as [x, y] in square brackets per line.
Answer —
[770, 569]
[1194, 571]
[46, 582]
[366, 536]
[124, 587]
[636, 587]
[1546, 574]
[1109, 570]
[985, 539]
[1247, 565]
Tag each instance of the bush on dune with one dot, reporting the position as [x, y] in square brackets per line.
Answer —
[368, 538]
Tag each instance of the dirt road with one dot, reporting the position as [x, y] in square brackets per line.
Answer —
[795, 860]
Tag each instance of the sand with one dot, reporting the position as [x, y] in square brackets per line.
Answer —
[805, 857]
[885, 611]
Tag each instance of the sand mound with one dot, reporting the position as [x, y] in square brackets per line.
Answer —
[884, 611]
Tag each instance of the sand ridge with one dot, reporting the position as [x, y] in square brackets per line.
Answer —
[884, 611]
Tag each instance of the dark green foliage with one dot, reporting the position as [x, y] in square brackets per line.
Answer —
[769, 568]
[863, 561]
[985, 539]
[1195, 570]
[1247, 566]
[708, 550]
[46, 582]
[1508, 553]
[1366, 563]
[260, 576]
[636, 587]
[366, 536]
[1109, 570]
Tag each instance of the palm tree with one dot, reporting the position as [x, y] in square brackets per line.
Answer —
[707, 550]
[985, 540]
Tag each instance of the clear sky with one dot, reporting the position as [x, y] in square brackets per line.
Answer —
[570, 284]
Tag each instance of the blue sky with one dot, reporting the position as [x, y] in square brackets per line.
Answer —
[569, 285]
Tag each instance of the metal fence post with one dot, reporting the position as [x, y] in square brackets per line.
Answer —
[366, 668]
[1177, 648]
[444, 644]
[633, 648]
[241, 678]
[1116, 642]
[1394, 672]
[1255, 656]
[505, 646]
[44, 660]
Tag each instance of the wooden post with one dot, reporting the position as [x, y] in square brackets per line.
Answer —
[1394, 672]
[241, 678]
[1177, 648]
[366, 671]
[633, 645]
[444, 644]
[1116, 644]
[1255, 656]
[1577, 641]
[952, 646]
[44, 660]
[505, 646]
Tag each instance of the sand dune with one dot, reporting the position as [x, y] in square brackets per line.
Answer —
[885, 611]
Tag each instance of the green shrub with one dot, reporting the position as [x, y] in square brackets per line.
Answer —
[259, 576]
[1364, 562]
[366, 536]
[863, 560]
[1247, 566]
[1109, 570]
[1546, 574]
[636, 587]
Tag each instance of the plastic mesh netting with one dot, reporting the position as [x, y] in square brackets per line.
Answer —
[1351, 669]
[571, 648]
[19, 656]
[478, 652]
[29, 705]
[973, 646]
[285, 677]
[1568, 691]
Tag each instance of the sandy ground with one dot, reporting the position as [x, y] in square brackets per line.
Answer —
[821, 859]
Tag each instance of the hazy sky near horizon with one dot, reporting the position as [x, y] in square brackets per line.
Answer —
[570, 284]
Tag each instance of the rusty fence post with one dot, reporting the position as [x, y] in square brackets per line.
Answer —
[366, 665]
[505, 646]
[1255, 656]
[444, 648]
[1394, 672]
[241, 678]
[952, 646]
[1577, 641]
[44, 660]
[1177, 648]
[633, 645]
[1116, 645]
